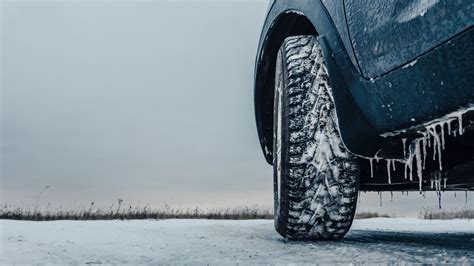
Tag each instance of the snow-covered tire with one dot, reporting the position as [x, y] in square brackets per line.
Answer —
[316, 179]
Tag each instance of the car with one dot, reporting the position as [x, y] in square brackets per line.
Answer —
[357, 96]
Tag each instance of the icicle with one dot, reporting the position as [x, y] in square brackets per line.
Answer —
[440, 160]
[391, 196]
[454, 193]
[465, 197]
[406, 170]
[429, 140]
[460, 124]
[418, 163]
[388, 171]
[371, 167]
[424, 150]
[409, 164]
[442, 135]
[404, 141]
[436, 146]
[449, 126]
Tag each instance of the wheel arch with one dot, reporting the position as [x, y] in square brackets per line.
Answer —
[289, 23]
[309, 17]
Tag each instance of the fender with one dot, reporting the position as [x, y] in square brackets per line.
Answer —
[310, 17]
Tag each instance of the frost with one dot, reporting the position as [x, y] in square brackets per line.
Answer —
[295, 12]
[412, 63]
[432, 135]
[414, 9]
[277, 135]
[267, 151]
[446, 120]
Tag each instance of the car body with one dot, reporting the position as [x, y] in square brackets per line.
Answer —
[394, 66]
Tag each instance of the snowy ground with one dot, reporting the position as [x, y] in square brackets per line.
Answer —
[378, 240]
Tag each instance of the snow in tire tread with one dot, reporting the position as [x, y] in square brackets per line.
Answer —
[321, 175]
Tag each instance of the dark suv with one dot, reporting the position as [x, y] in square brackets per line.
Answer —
[363, 95]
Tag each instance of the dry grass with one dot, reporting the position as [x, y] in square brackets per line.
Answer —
[447, 215]
[121, 212]
[128, 213]
[368, 215]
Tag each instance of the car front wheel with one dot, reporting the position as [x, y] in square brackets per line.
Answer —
[316, 179]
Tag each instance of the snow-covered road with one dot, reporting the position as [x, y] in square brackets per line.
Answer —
[379, 240]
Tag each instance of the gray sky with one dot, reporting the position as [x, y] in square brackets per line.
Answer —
[148, 101]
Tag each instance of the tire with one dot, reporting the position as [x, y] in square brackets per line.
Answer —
[316, 179]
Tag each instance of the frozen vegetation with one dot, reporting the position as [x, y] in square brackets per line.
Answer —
[10, 212]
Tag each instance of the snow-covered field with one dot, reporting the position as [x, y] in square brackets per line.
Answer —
[380, 240]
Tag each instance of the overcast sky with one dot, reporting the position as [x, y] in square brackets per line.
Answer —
[148, 101]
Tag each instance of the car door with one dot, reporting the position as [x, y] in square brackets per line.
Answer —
[388, 34]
